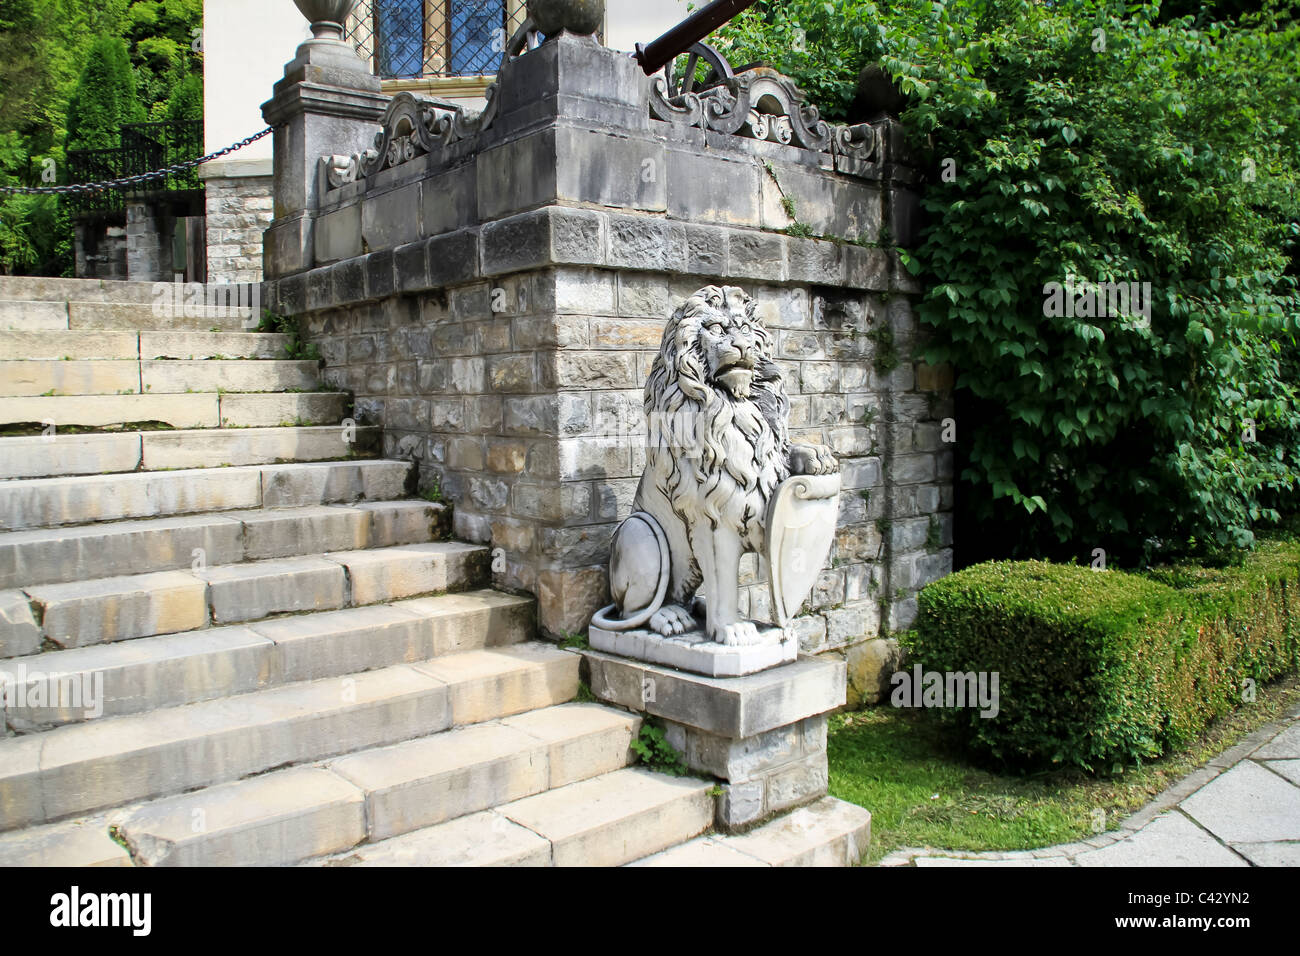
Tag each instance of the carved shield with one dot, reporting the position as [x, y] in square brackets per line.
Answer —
[801, 517]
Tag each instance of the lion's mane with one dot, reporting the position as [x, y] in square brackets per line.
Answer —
[722, 450]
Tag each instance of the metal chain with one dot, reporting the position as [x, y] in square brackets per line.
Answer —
[133, 180]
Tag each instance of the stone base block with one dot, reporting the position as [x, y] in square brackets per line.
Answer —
[694, 652]
[734, 707]
[763, 735]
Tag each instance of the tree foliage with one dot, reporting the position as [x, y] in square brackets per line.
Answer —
[105, 97]
[45, 48]
[1092, 140]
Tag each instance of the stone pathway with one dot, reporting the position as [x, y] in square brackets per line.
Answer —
[1240, 809]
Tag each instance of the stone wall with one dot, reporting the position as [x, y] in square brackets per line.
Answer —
[99, 244]
[497, 305]
[238, 212]
[148, 242]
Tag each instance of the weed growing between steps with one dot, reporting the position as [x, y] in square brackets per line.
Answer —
[923, 792]
[652, 746]
[288, 325]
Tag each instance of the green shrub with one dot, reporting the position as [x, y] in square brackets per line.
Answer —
[1101, 668]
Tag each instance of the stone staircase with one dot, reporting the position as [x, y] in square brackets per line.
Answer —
[228, 636]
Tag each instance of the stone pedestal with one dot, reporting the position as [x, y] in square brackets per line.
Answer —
[327, 103]
[763, 735]
[694, 652]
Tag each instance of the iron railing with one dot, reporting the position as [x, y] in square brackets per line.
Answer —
[144, 147]
[415, 38]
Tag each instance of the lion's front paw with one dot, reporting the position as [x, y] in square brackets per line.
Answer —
[672, 619]
[738, 634]
[813, 460]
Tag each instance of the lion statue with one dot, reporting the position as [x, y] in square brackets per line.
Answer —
[718, 446]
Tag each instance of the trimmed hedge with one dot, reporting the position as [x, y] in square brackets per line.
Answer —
[1099, 668]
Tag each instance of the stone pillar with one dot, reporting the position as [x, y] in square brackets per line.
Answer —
[238, 211]
[148, 243]
[327, 103]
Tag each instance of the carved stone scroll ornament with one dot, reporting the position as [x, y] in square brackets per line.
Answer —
[862, 142]
[722, 478]
[412, 126]
[759, 104]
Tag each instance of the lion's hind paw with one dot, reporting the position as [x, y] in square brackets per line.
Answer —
[672, 619]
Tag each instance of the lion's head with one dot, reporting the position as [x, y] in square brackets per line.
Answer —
[718, 390]
[714, 342]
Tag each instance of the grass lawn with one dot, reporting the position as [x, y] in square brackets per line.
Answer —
[921, 792]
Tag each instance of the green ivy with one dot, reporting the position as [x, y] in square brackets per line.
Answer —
[1091, 139]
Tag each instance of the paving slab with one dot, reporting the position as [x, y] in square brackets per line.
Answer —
[1169, 840]
[1247, 804]
[1270, 854]
[1284, 746]
[951, 861]
[1287, 768]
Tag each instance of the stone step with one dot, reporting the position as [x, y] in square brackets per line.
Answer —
[46, 289]
[33, 316]
[86, 767]
[114, 549]
[604, 821]
[80, 499]
[24, 378]
[107, 610]
[72, 843]
[104, 377]
[136, 317]
[98, 453]
[236, 375]
[267, 410]
[191, 346]
[131, 677]
[65, 345]
[178, 410]
[829, 832]
[293, 815]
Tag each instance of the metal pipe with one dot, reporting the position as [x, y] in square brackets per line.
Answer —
[657, 54]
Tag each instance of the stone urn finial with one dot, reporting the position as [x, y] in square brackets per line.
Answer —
[552, 17]
[327, 17]
[328, 49]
